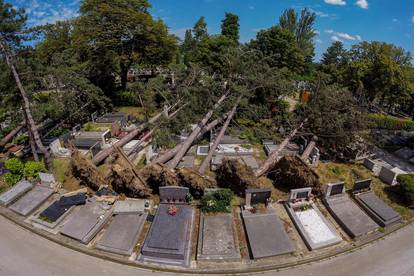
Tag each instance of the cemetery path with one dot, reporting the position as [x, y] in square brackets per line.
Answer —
[25, 253]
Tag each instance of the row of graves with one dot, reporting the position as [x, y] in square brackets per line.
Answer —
[110, 224]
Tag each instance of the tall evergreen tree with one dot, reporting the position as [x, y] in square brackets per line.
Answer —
[200, 29]
[230, 26]
[335, 54]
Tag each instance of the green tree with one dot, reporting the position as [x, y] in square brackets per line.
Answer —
[230, 26]
[115, 34]
[335, 61]
[279, 48]
[302, 27]
[200, 29]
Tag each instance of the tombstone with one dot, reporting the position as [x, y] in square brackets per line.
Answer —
[203, 150]
[131, 206]
[57, 150]
[94, 116]
[32, 200]
[300, 194]
[369, 164]
[256, 196]
[334, 189]
[362, 185]
[173, 194]
[76, 129]
[15, 192]
[389, 175]
[47, 179]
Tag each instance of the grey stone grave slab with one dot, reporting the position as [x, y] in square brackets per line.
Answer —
[217, 239]
[380, 212]
[32, 200]
[169, 194]
[15, 192]
[169, 238]
[266, 234]
[130, 206]
[122, 234]
[346, 212]
[47, 179]
[85, 222]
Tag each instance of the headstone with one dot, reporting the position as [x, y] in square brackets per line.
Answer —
[362, 185]
[389, 175]
[32, 200]
[94, 116]
[173, 194]
[131, 206]
[369, 164]
[47, 179]
[256, 196]
[334, 189]
[15, 192]
[300, 194]
[203, 150]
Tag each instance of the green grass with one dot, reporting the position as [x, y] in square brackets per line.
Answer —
[96, 127]
[61, 167]
[137, 112]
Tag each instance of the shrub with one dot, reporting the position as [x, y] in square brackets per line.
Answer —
[12, 179]
[217, 202]
[391, 123]
[33, 168]
[407, 187]
[15, 166]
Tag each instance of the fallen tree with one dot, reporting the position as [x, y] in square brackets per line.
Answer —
[189, 141]
[207, 160]
[274, 156]
[10, 135]
[84, 170]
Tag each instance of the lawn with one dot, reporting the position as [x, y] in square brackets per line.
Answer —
[349, 173]
[61, 167]
[135, 111]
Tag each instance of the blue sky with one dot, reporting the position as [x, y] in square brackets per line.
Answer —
[347, 20]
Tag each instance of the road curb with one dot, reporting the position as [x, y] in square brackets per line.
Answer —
[122, 261]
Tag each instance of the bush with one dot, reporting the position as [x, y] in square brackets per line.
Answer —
[12, 179]
[407, 187]
[15, 166]
[391, 123]
[217, 202]
[33, 168]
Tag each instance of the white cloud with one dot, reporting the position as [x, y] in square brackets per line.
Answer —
[319, 41]
[394, 20]
[363, 4]
[412, 19]
[251, 8]
[338, 36]
[180, 32]
[336, 2]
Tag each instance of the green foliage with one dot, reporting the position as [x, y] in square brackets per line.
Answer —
[230, 27]
[407, 182]
[391, 123]
[33, 168]
[11, 178]
[217, 202]
[14, 165]
[126, 98]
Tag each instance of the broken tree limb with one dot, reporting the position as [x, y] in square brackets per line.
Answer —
[308, 150]
[11, 134]
[167, 156]
[206, 161]
[31, 125]
[273, 158]
[187, 143]
[102, 155]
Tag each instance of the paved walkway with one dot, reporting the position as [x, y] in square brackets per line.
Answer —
[24, 253]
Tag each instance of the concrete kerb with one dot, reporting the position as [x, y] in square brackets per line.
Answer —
[110, 257]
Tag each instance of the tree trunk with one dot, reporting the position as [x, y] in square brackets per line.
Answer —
[124, 76]
[308, 150]
[206, 161]
[32, 128]
[187, 143]
[273, 158]
[167, 156]
[11, 134]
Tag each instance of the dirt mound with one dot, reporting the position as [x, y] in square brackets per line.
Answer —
[85, 171]
[295, 173]
[158, 175]
[196, 182]
[236, 176]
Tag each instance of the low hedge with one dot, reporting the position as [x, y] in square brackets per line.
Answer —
[391, 123]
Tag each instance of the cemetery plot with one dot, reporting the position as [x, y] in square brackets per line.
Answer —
[15, 192]
[32, 200]
[352, 219]
[380, 212]
[49, 217]
[169, 238]
[217, 239]
[85, 222]
[122, 234]
[313, 227]
[266, 234]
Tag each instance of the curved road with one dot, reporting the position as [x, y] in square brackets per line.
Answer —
[25, 253]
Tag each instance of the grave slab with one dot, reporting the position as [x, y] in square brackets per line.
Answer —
[217, 239]
[32, 200]
[15, 192]
[47, 179]
[130, 206]
[122, 233]
[266, 234]
[85, 222]
[169, 238]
